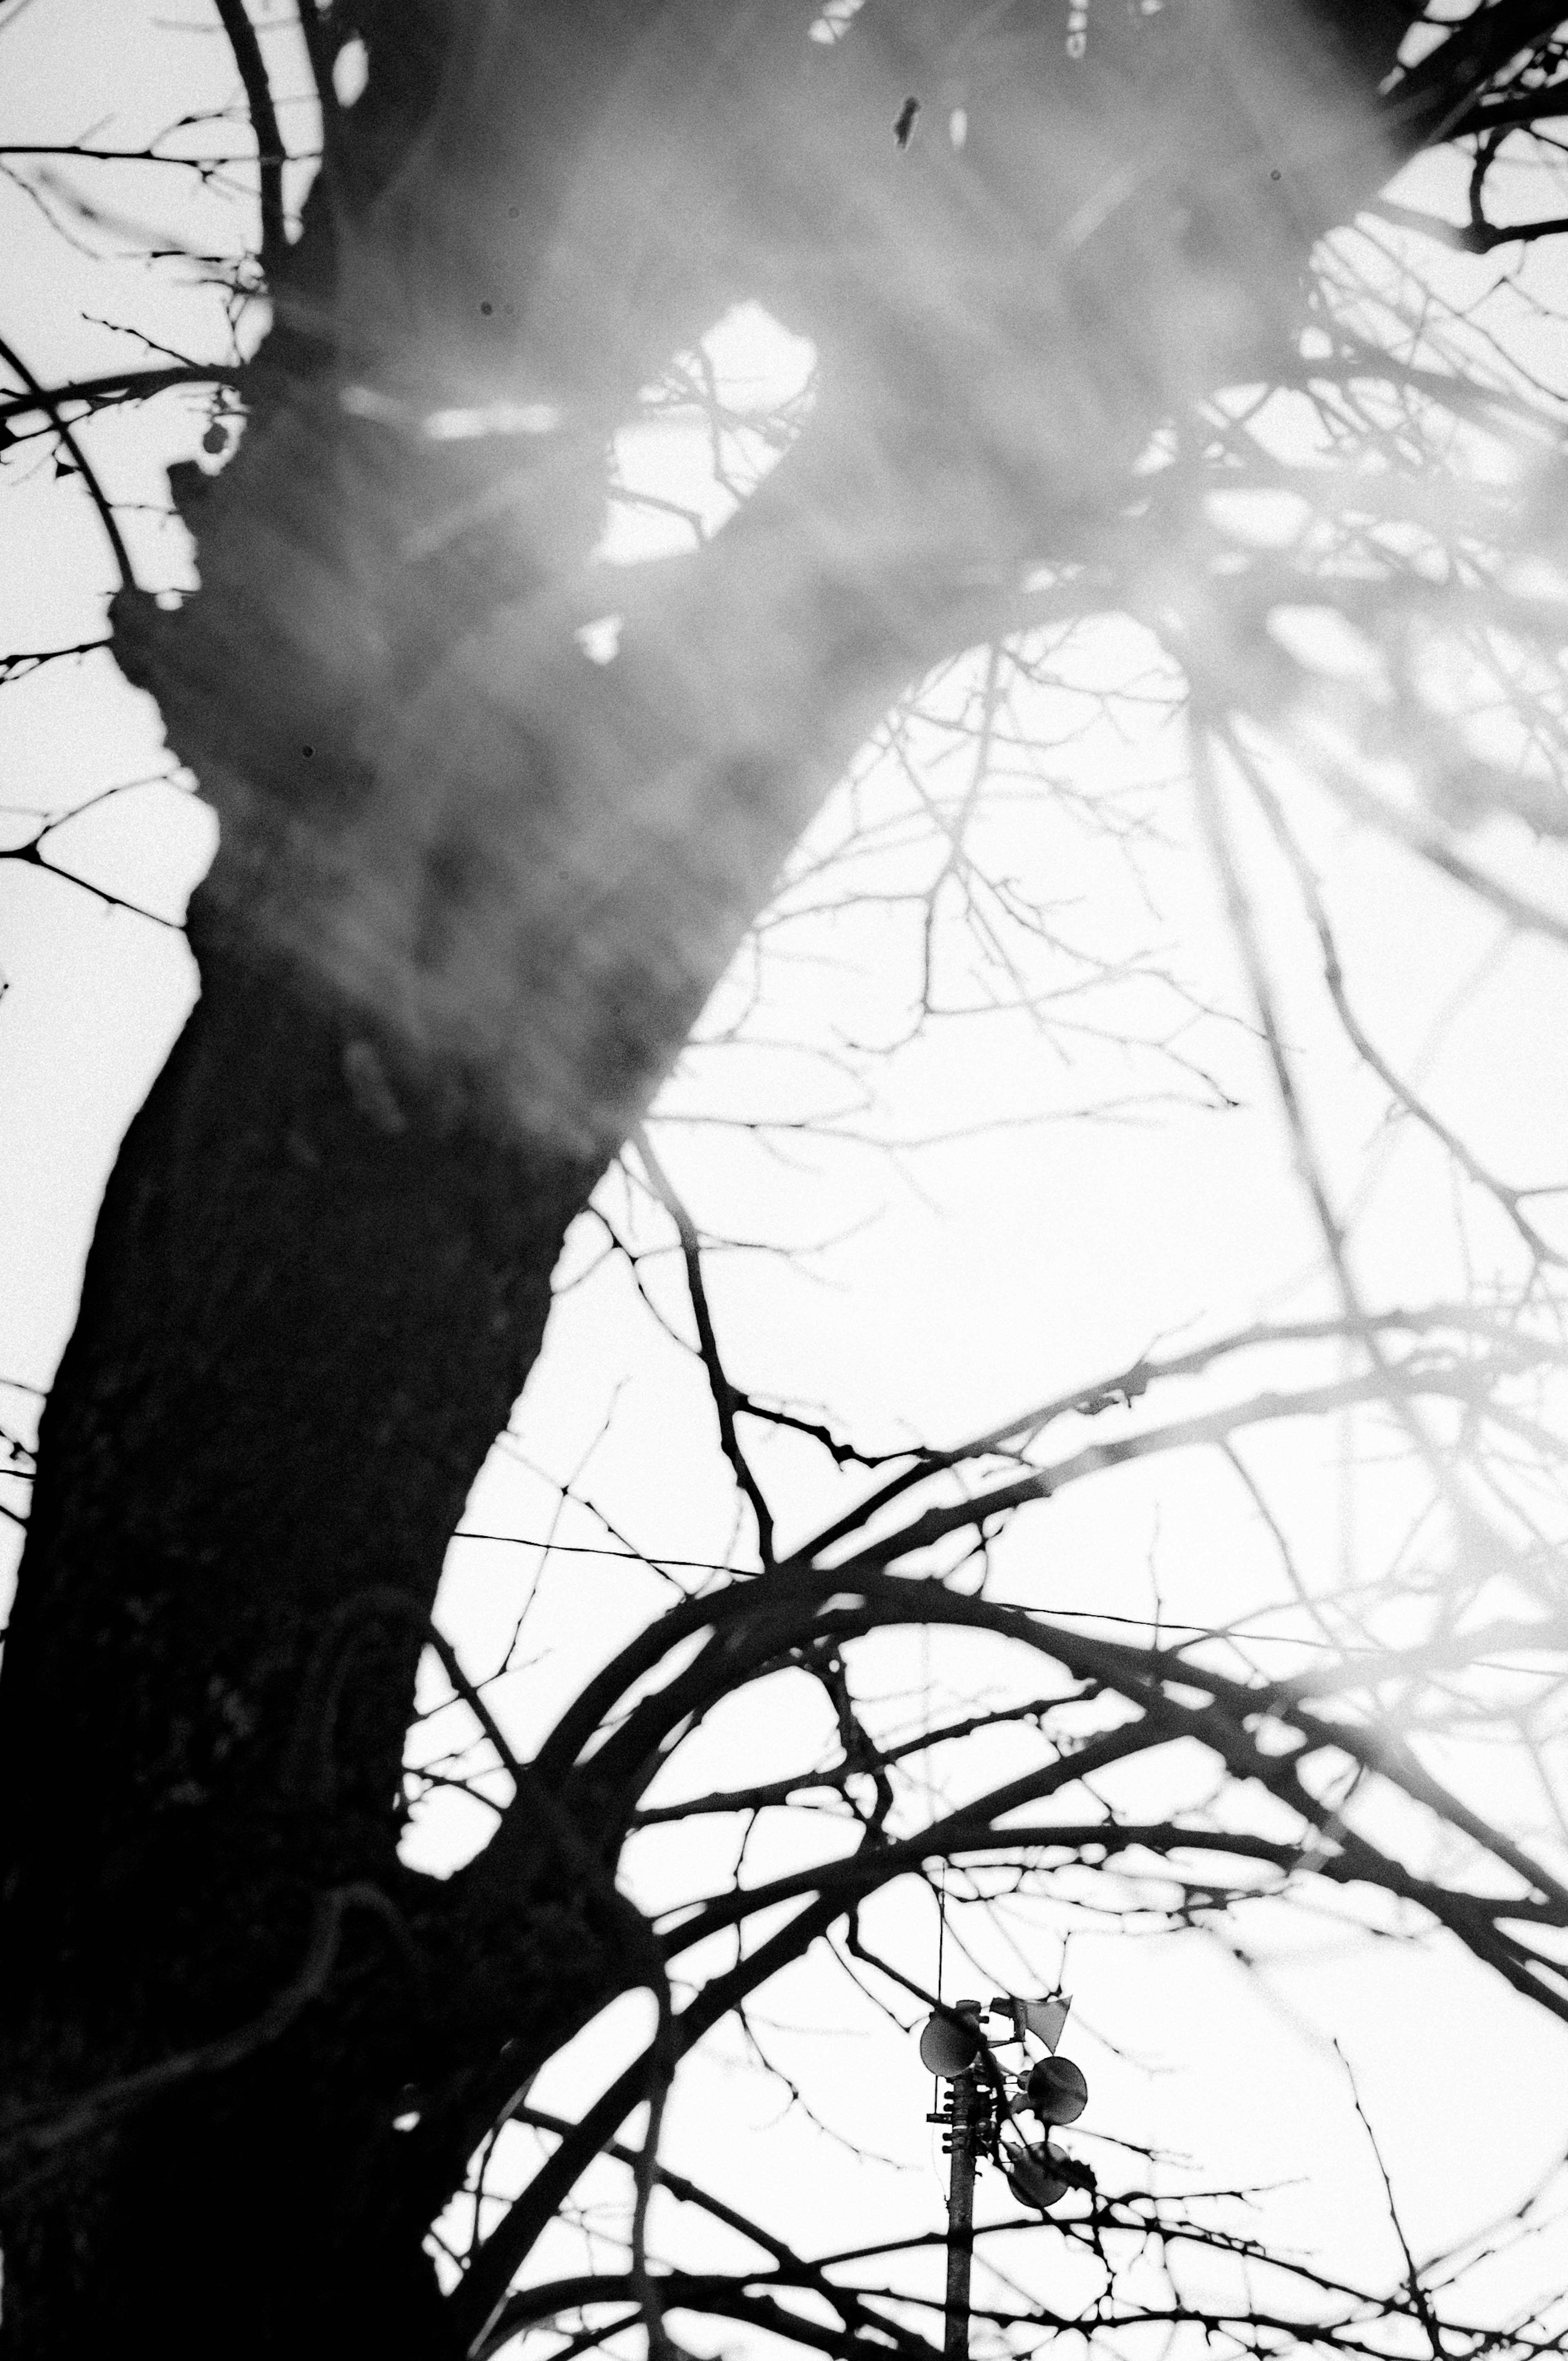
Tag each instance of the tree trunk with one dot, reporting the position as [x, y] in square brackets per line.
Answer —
[306, 1315]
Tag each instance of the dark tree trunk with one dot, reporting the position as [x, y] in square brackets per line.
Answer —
[304, 1320]
[471, 894]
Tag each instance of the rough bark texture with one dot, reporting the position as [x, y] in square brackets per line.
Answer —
[471, 894]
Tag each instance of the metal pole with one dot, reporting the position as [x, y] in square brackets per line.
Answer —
[965, 2093]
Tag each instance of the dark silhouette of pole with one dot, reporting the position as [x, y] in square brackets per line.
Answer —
[966, 2108]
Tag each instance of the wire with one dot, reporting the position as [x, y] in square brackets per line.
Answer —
[1062, 1614]
[941, 1928]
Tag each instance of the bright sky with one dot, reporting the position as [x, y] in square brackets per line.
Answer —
[1008, 1247]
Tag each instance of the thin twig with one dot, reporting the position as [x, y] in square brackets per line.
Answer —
[724, 1394]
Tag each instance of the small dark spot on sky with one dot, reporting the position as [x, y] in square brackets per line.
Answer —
[1274, 176]
[512, 212]
[307, 750]
[903, 129]
[487, 309]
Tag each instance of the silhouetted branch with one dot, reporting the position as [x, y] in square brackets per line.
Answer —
[48, 401]
[270, 152]
[724, 1395]
[118, 386]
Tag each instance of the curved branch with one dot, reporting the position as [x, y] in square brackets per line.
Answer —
[475, 2303]
[1437, 100]
[726, 2298]
[1127, 1385]
[44, 399]
[120, 385]
[270, 153]
[22, 661]
[793, 2267]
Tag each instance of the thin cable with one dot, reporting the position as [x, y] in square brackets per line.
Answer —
[1060, 1614]
[941, 1928]
[941, 1954]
